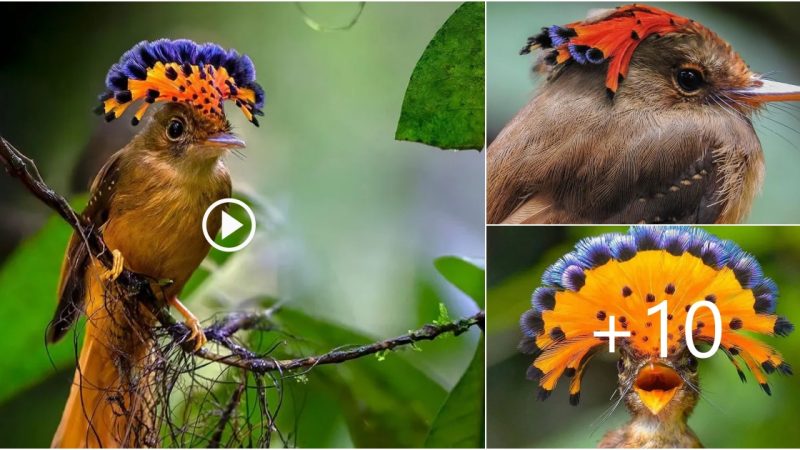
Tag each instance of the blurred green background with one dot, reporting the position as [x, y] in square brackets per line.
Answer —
[350, 220]
[729, 414]
[764, 34]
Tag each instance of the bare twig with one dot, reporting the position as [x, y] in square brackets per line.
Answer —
[139, 286]
[227, 415]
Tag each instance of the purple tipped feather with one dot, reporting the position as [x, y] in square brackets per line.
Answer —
[134, 63]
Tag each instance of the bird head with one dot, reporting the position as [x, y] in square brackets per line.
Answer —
[651, 58]
[660, 287]
[193, 81]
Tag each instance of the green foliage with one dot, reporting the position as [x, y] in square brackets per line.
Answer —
[444, 315]
[28, 284]
[444, 102]
[384, 401]
[459, 422]
[465, 274]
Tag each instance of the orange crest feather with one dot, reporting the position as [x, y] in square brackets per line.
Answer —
[612, 38]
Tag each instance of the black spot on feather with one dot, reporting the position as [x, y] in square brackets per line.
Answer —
[533, 373]
[171, 73]
[782, 326]
[123, 96]
[527, 345]
[626, 291]
[574, 399]
[768, 367]
[557, 334]
[543, 394]
[736, 323]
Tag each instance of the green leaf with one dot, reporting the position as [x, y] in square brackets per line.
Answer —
[28, 285]
[444, 315]
[444, 101]
[464, 273]
[459, 422]
[386, 402]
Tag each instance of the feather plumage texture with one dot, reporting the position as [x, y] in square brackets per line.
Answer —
[624, 275]
[203, 75]
[611, 37]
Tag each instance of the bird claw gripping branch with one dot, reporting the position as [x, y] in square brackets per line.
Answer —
[204, 75]
[626, 274]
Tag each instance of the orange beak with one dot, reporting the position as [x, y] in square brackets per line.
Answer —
[656, 384]
[763, 91]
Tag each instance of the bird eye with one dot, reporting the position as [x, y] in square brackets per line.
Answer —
[620, 365]
[175, 129]
[689, 80]
[692, 363]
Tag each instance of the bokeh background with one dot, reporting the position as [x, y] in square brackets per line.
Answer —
[764, 34]
[350, 220]
[729, 414]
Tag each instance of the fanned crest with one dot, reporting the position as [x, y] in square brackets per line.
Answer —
[626, 274]
[612, 37]
[204, 75]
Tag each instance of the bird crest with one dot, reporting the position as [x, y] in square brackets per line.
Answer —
[203, 75]
[611, 37]
[624, 275]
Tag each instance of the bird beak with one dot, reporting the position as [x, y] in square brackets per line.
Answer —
[656, 385]
[225, 140]
[763, 91]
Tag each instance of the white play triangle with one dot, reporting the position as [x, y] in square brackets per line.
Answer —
[229, 225]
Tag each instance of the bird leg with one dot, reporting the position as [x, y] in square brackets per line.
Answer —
[191, 322]
[116, 267]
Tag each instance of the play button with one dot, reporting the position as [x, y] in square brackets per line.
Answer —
[230, 225]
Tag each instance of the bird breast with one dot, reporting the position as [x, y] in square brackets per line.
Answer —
[155, 218]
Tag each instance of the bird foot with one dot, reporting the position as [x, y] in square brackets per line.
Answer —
[116, 267]
[196, 331]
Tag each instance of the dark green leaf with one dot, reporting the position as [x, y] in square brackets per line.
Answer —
[28, 284]
[465, 274]
[444, 101]
[459, 422]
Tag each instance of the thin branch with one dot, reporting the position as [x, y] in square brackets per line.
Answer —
[227, 415]
[139, 286]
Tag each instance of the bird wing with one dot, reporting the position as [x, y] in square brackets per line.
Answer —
[72, 285]
[686, 195]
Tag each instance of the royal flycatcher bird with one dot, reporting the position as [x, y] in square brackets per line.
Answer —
[148, 202]
[644, 117]
[613, 282]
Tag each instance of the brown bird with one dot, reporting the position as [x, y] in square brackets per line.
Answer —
[652, 296]
[148, 202]
[644, 117]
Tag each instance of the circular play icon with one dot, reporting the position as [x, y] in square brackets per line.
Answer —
[231, 227]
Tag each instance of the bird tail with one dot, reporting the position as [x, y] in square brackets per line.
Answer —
[99, 411]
